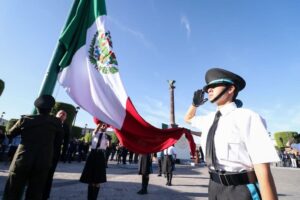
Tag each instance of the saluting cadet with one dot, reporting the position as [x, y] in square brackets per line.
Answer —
[238, 148]
[34, 156]
[94, 171]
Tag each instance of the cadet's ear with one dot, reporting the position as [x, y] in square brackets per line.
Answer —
[231, 89]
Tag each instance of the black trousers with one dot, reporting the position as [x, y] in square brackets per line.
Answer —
[48, 184]
[218, 191]
[159, 161]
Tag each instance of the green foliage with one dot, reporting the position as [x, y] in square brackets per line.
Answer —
[76, 132]
[285, 137]
[114, 138]
[2, 86]
[87, 138]
[10, 124]
[69, 108]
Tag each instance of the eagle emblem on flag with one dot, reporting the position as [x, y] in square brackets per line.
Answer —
[101, 54]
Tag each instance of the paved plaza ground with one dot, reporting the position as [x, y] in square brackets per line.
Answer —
[189, 182]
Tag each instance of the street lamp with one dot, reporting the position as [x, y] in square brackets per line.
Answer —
[76, 111]
[85, 126]
[2, 118]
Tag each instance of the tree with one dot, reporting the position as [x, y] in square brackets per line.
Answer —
[87, 138]
[2, 86]
[114, 138]
[76, 132]
[282, 138]
[10, 124]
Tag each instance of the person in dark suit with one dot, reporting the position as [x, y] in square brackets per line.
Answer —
[62, 116]
[2, 144]
[124, 152]
[145, 168]
[71, 150]
[34, 156]
[160, 157]
[108, 151]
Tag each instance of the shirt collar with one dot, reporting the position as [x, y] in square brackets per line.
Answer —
[227, 108]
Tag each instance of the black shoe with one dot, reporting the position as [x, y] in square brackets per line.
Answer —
[159, 175]
[142, 192]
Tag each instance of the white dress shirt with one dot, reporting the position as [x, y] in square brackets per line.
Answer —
[103, 142]
[241, 138]
[170, 151]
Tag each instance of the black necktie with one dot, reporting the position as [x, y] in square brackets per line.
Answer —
[99, 141]
[210, 142]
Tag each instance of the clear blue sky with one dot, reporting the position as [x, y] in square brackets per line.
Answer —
[159, 40]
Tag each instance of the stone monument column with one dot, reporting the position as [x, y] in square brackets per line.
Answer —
[172, 110]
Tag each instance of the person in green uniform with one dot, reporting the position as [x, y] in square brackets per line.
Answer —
[59, 145]
[33, 158]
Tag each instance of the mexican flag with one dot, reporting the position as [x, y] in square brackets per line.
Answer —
[89, 72]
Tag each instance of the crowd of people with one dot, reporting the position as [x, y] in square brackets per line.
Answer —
[34, 158]
[290, 154]
[73, 150]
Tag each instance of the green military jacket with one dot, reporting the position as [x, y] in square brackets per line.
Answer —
[39, 136]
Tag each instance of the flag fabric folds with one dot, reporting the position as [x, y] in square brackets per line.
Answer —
[90, 75]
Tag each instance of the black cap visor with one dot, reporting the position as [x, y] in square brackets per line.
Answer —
[213, 85]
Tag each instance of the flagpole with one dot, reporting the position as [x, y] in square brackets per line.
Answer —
[50, 77]
[53, 69]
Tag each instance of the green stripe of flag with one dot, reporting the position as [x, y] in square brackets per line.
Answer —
[73, 36]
